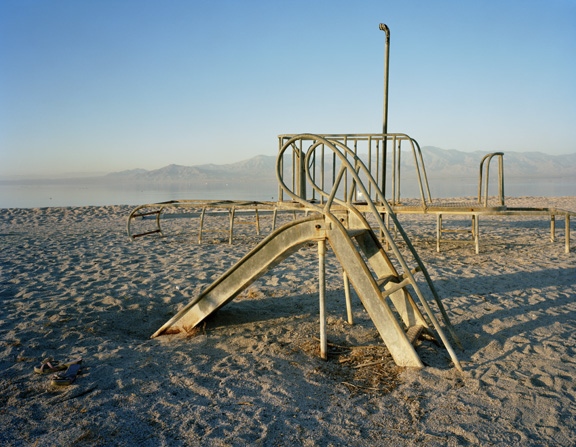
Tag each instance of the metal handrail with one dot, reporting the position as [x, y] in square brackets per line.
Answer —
[485, 165]
[376, 158]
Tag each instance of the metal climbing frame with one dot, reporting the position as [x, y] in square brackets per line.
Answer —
[150, 216]
[384, 157]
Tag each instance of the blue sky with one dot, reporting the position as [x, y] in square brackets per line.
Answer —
[108, 85]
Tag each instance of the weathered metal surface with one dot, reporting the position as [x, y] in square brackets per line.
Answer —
[335, 220]
[270, 252]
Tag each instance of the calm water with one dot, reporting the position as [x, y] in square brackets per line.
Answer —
[91, 194]
[78, 194]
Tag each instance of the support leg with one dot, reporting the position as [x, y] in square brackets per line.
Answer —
[322, 295]
[438, 231]
[232, 214]
[476, 231]
[552, 228]
[201, 225]
[257, 222]
[348, 299]
[567, 233]
[274, 216]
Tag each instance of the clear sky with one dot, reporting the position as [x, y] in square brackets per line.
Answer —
[108, 85]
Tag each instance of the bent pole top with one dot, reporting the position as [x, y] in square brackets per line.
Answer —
[385, 28]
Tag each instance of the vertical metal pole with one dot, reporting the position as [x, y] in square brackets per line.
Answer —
[386, 30]
[476, 233]
[322, 295]
[438, 231]
[201, 225]
[567, 233]
[232, 213]
[348, 299]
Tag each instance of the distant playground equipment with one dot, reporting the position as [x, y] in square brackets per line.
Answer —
[348, 188]
[154, 212]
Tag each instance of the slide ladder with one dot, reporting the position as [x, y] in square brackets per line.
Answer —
[367, 266]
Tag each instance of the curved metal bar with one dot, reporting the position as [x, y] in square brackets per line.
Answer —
[374, 142]
[485, 164]
[420, 166]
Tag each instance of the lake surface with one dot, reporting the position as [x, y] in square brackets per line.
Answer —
[52, 194]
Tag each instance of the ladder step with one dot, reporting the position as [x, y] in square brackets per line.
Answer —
[355, 232]
[414, 332]
[395, 279]
[386, 279]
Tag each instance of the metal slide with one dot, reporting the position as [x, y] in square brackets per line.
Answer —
[367, 266]
[276, 247]
[383, 296]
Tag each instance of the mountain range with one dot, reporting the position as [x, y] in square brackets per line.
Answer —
[261, 169]
[440, 163]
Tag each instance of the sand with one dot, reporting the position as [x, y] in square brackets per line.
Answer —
[73, 285]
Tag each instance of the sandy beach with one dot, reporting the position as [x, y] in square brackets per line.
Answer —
[72, 284]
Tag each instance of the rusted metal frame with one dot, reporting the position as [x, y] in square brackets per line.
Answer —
[552, 212]
[147, 233]
[394, 169]
[345, 173]
[322, 170]
[332, 198]
[231, 215]
[354, 184]
[312, 167]
[370, 163]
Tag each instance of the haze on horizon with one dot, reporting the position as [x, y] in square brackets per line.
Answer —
[106, 86]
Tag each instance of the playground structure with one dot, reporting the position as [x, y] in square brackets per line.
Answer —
[383, 155]
[348, 188]
[381, 278]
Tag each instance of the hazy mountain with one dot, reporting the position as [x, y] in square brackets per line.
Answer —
[439, 163]
[261, 167]
[453, 163]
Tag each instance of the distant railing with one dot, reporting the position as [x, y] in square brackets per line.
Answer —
[484, 179]
[381, 154]
[374, 151]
